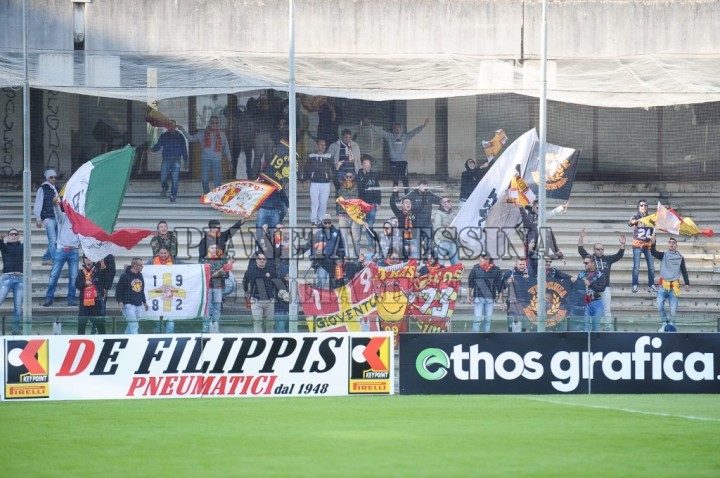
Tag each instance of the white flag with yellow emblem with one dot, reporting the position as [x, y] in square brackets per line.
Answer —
[176, 292]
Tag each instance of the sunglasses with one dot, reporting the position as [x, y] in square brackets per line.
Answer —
[13, 234]
[327, 222]
[51, 177]
[643, 205]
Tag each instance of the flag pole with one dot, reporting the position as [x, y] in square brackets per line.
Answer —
[27, 242]
[542, 246]
[292, 127]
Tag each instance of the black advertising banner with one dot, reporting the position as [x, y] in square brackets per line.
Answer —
[570, 362]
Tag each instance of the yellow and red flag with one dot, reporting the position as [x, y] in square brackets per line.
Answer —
[357, 209]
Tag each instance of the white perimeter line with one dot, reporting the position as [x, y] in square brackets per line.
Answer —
[626, 410]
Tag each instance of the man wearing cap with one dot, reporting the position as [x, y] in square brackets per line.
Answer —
[368, 182]
[422, 203]
[45, 213]
[66, 250]
[484, 284]
[12, 277]
[328, 254]
[347, 189]
[216, 236]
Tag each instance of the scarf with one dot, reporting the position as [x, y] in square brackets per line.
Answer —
[218, 141]
[407, 233]
[160, 262]
[90, 292]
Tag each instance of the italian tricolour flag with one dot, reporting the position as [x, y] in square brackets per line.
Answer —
[92, 198]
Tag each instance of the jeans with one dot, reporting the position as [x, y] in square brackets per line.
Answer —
[60, 257]
[323, 277]
[398, 171]
[206, 166]
[92, 313]
[594, 311]
[271, 217]
[482, 312]
[13, 282]
[132, 315]
[636, 265]
[51, 230]
[667, 295]
[448, 249]
[370, 220]
[282, 323]
[607, 314]
[215, 298]
[170, 167]
[319, 194]
[169, 327]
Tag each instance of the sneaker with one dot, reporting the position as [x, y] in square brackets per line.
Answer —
[173, 200]
[47, 303]
[634, 289]
[163, 193]
[652, 289]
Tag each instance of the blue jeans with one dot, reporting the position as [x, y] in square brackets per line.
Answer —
[323, 277]
[271, 217]
[215, 297]
[448, 249]
[370, 220]
[168, 167]
[132, 314]
[52, 231]
[482, 312]
[60, 257]
[667, 295]
[169, 327]
[216, 167]
[636, 265]
[14, 283]
[594, 311]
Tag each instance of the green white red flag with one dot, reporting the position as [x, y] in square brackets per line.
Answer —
[92, 198]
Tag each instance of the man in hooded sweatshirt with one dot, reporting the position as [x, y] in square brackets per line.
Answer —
[470, 178]
[672, 266]
[130, 295]
[45, 213]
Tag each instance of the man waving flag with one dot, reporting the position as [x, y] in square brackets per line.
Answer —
[92, 198]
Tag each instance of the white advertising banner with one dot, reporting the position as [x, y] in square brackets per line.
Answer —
[192, 365]
[176, 292]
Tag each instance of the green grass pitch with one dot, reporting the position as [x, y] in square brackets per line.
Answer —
[434, 436]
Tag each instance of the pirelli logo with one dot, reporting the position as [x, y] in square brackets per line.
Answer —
[369, 365]
[26, 369]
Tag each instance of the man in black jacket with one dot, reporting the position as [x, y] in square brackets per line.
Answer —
[603, 263]
[367, 178]
[130, 294]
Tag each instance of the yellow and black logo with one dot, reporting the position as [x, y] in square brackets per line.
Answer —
[369, 365]
[27, 369]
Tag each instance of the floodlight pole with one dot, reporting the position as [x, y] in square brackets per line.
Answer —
[292, 187]
[27, 242]
[541, 243]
